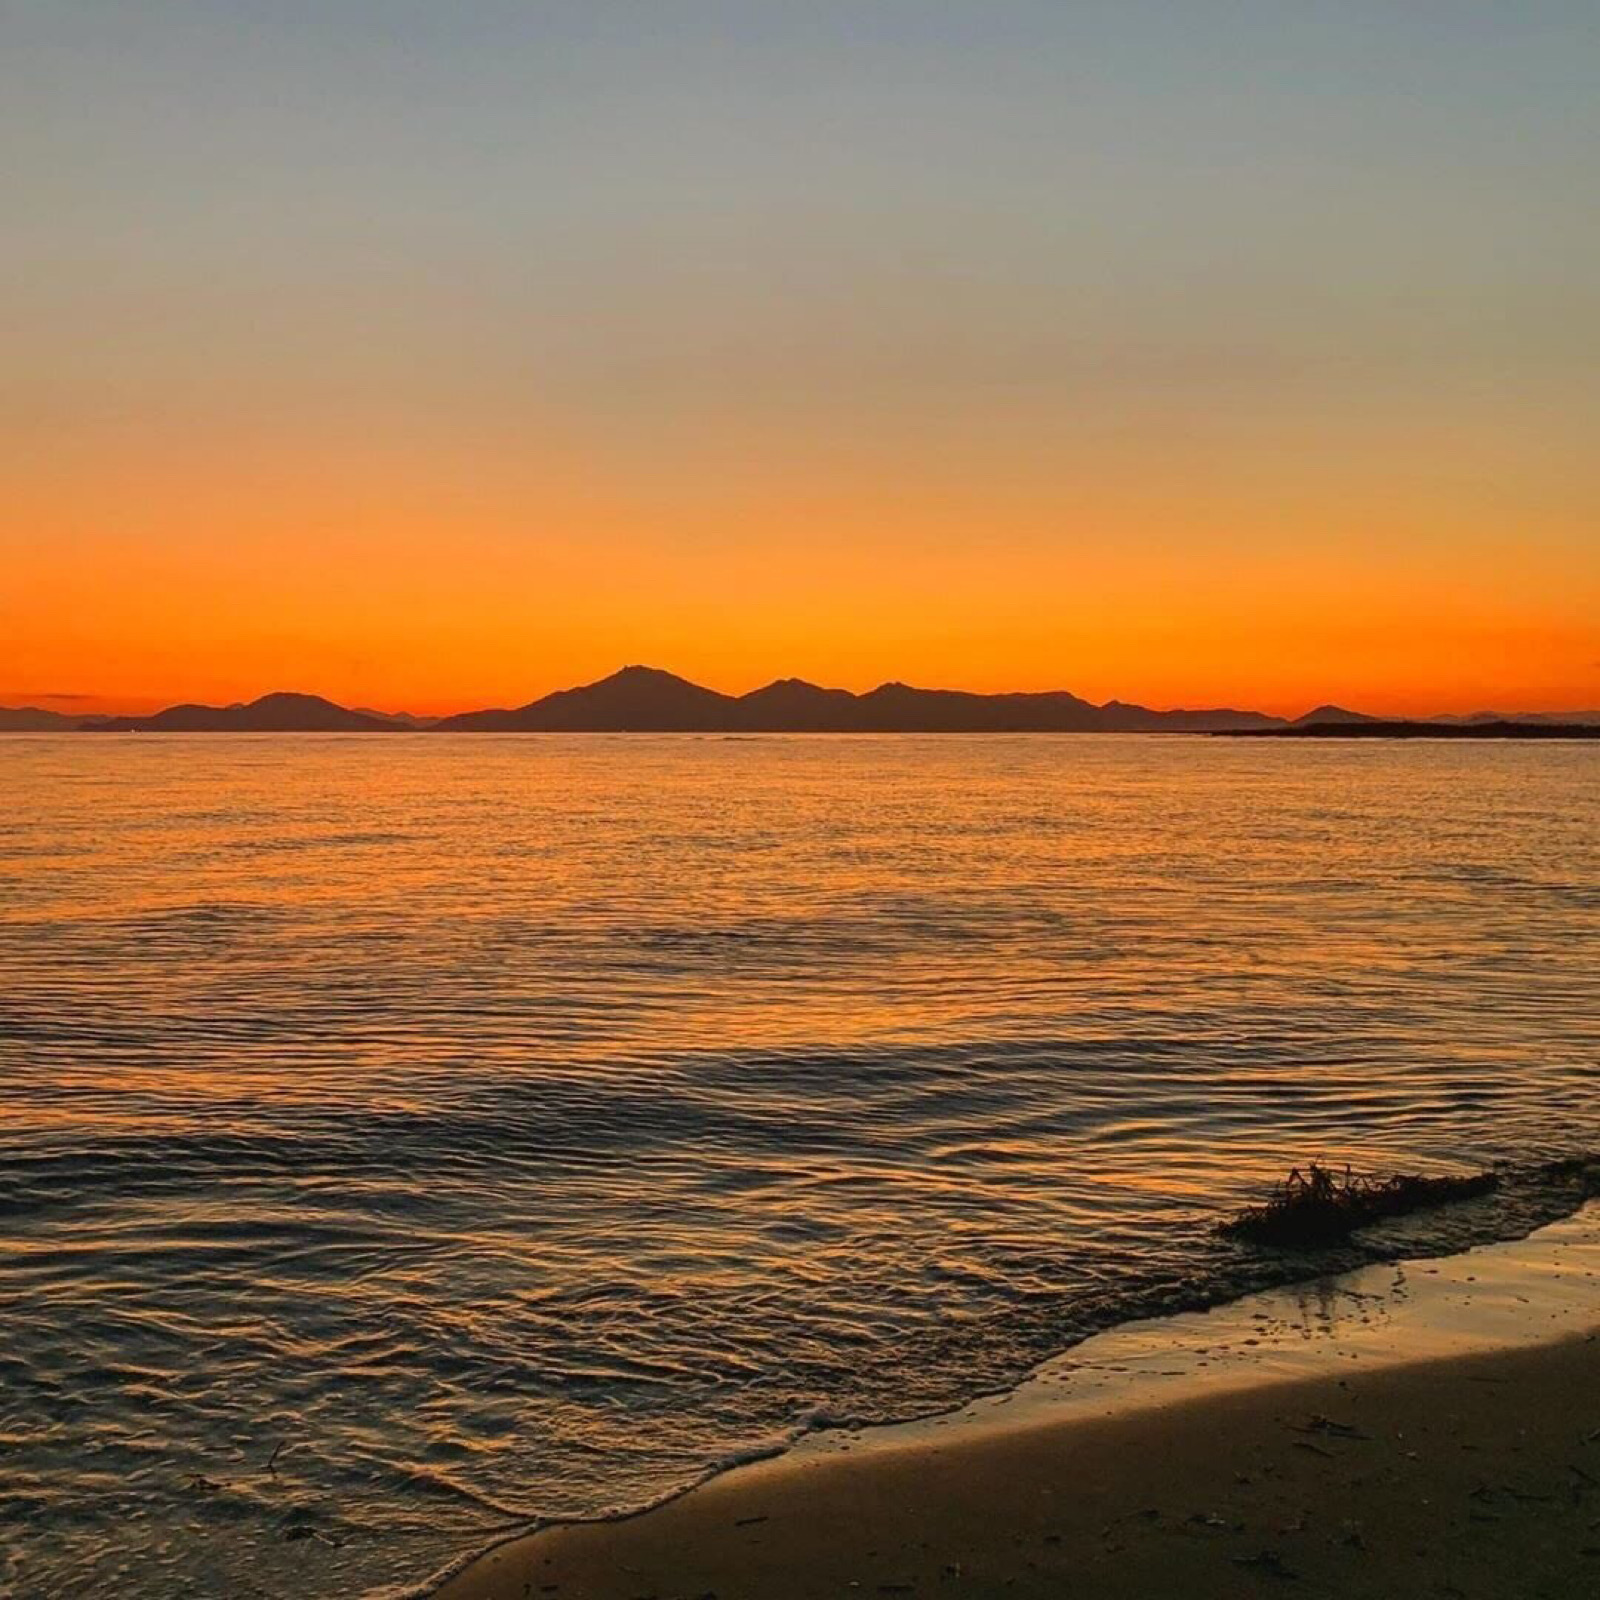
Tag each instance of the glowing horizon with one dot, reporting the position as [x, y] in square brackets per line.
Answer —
[81, 703]
[434, 362]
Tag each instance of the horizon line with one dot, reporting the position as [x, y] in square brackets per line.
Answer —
[23, 701]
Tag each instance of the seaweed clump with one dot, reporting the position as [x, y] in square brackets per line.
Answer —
[1319, 1207]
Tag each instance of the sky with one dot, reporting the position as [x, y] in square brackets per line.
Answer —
[433, 356]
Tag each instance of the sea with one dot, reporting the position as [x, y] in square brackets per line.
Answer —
[409, 1138]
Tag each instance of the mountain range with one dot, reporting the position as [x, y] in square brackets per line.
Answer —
[647, 700]
[643, 699]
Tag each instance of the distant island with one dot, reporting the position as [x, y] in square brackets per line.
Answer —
[648, 700]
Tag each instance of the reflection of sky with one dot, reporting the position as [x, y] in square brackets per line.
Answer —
[1207, 308]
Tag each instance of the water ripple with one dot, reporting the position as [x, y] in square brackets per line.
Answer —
[405, 1137]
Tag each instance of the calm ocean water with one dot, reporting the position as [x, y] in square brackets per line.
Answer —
[407, 1136]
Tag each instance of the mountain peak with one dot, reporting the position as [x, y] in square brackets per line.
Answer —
[638, 673]
[286, 699]
[1331, 713]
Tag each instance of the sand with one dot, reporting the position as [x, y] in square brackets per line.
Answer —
[1474, 1476]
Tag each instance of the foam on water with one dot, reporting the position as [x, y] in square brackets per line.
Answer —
[407, 1139]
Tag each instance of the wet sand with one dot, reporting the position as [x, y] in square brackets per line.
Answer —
[1475, 1476]
[1422, 1428]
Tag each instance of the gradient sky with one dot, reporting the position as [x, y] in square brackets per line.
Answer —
[437, 355]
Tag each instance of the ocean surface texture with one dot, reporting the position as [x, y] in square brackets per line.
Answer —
[404, 1138]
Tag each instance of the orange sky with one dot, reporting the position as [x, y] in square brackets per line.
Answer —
[474, 574]
[1029, 354]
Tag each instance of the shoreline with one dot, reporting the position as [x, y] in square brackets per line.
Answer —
[1293, 1419]
[1465, 1477]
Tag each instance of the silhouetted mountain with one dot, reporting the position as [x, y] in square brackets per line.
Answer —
[1122, 718]
[272, 713]
[647, 700]
[35, 719]
[1332, 714]
[899, 708]
[634, 700]
[791, 705]
[643, 699]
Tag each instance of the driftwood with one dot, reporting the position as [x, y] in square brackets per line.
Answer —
[1321, 1207]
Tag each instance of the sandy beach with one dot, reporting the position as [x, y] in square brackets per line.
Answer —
[1477, 1476]
[1427, 1428]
